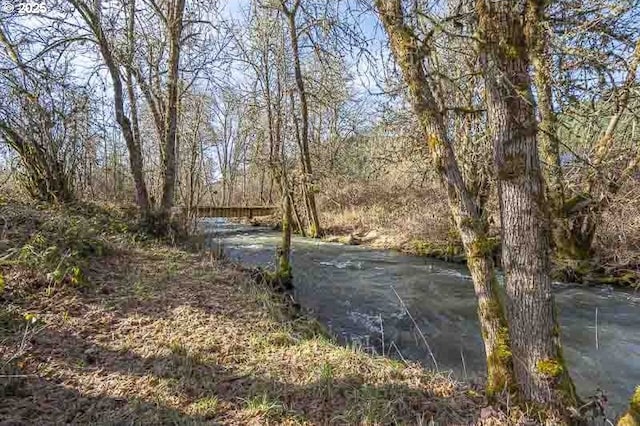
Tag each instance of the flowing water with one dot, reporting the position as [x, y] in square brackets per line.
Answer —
[355, 291]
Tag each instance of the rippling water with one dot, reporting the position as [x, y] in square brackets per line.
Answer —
[353, 290]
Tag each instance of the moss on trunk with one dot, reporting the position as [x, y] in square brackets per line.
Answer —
[632, 416]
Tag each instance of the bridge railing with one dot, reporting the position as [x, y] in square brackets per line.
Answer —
[235, 211]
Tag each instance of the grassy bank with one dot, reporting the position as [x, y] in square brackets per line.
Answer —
[417, 221]
[100, 324]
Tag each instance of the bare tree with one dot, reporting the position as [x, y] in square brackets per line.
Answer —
[291, 12]
[92, 17]
[42, 117]
[174, 24]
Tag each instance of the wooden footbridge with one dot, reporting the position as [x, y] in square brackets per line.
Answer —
[246, 211]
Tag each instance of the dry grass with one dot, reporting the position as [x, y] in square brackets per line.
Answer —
[158, 335]
[398, 215]
[618, 239]
[417, 221]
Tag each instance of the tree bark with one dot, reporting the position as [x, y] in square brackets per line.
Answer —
[568, 240]
[283, 262]
[314, 222]
[468, 216]
[548, 129]
[141, 190]
[541, 373]
[174, 27]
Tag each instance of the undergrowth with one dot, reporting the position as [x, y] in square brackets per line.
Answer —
[53, 245]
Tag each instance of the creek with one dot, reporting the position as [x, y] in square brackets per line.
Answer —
[356, 292]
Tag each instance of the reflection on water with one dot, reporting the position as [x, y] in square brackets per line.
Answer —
[350, 289]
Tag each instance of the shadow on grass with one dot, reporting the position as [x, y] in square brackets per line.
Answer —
[69, 375]
[202, 392]
[36, 400]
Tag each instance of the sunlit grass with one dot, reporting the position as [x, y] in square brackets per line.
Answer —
[263, 405]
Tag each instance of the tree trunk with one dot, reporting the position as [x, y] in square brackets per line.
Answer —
[314, 221]
[283, 264]
[632, 416]
[174, 26]
[468, 215]
[303, 187]
[141, 188]
[548, 129]
[277, 165]
[92, 18]
[296, 215]
[567, 238]
[540, 370]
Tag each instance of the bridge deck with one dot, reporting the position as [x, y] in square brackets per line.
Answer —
[245, 211]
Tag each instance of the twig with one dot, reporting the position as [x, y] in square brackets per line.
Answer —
[597, 345]
[424, 339]
[393, 344]
[381, 332]
[464, 365]
[17, 376]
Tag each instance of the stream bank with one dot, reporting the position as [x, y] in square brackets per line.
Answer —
[449, 249]
[134, 330]
[587, 272]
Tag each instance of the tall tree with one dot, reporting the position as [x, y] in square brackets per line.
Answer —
[174, 26]
[308, 191]
[541, 373]
[92, 16]
[410, 53]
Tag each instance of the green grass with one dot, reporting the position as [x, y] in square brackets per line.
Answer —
[263, 405]
[205, 407]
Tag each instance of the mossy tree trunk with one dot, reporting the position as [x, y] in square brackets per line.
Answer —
[572, 229]
[540, 370]
[283, 264]
[466, 211]
[582, 213]
[574, 218]
[277, 165]
[548, 129]
[632, 416]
